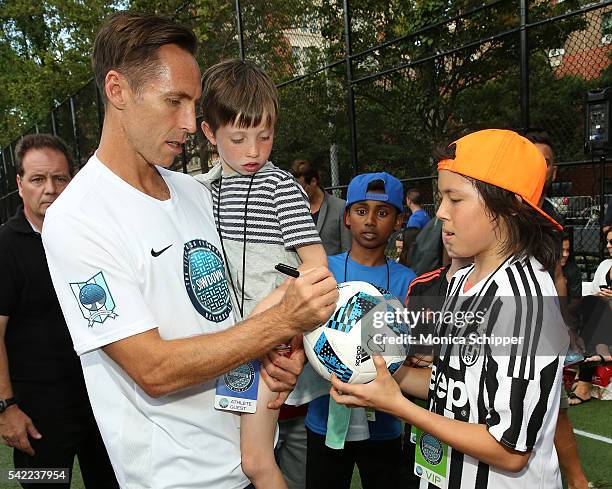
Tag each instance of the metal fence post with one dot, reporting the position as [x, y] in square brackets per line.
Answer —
[350, 93]
[602, 206]
[53, 123]
[75, 132]
[99, 108]
[524, 59]
[239, 27]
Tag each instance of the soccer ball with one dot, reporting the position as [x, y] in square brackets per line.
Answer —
[358, 328]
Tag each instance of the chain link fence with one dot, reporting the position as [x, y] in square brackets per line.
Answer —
[373, 85]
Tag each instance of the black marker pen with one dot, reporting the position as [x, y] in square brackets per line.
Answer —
[287, 270]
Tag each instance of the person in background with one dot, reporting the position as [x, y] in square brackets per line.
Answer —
[596, 329]
[410, 236]
[608, 217]
[418, 217]
[490, 437]
[568, 283]
[327, 210]
[542, 140]
[45, 414]
[339, 438]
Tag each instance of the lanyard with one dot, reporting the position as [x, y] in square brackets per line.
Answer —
[346, 267]
[241, 303]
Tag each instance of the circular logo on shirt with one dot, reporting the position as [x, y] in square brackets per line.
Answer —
[204, 275]
[241, 378]
[431, 448]
[470, 351]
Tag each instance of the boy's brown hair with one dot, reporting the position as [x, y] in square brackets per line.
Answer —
[238, 92]
[129, 43]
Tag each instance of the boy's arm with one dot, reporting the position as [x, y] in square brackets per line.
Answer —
[472, 439]
[469, 438]
[312, 256]
[413, 381]
[296, 224]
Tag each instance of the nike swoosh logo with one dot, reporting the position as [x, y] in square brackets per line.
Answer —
[155, 254]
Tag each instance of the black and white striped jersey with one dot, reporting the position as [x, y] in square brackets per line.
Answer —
[511, 388]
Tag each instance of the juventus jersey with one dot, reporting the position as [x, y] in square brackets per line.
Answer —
[510, 384]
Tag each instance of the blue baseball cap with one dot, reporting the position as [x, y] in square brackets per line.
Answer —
[358, 190]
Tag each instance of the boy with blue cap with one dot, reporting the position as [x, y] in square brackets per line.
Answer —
[339, 437]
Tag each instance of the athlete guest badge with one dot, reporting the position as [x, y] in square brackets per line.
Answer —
[237, 389]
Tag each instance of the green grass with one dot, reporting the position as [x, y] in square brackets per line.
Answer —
[6, 462]
[593, 417]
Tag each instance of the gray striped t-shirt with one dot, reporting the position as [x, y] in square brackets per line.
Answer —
[278, 221]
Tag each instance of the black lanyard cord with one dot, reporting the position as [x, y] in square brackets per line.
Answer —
[240, 303]
[346, 266]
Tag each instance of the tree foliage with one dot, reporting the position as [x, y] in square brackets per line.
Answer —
[438, 79]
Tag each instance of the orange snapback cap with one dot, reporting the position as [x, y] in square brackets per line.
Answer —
[502, 158]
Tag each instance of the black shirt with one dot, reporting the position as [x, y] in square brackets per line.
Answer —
[315, 217]
[572, 274]
[37, 340]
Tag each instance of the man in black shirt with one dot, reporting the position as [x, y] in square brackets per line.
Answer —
[44, 409]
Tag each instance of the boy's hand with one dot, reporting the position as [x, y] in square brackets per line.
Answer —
[382, 393]
[280, 372]
[309, 300]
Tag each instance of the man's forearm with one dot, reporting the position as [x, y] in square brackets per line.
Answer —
[6, 389]
[164, 366]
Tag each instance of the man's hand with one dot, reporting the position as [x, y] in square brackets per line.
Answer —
[15, 426]
[280, 372]
[310, 299]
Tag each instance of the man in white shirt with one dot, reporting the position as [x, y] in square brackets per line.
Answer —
[139, 272]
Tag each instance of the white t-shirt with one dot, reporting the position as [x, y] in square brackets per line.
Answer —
[599, 278]
[123, 263]
[512, 389]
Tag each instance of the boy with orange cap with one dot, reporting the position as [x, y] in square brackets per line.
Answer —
[492, 408]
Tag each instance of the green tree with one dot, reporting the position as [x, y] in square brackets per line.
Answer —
[44, 57]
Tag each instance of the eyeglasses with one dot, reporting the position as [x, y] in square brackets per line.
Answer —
[609, 241]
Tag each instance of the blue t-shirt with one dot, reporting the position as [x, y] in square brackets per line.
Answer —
[386, 427]
[418, 219]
